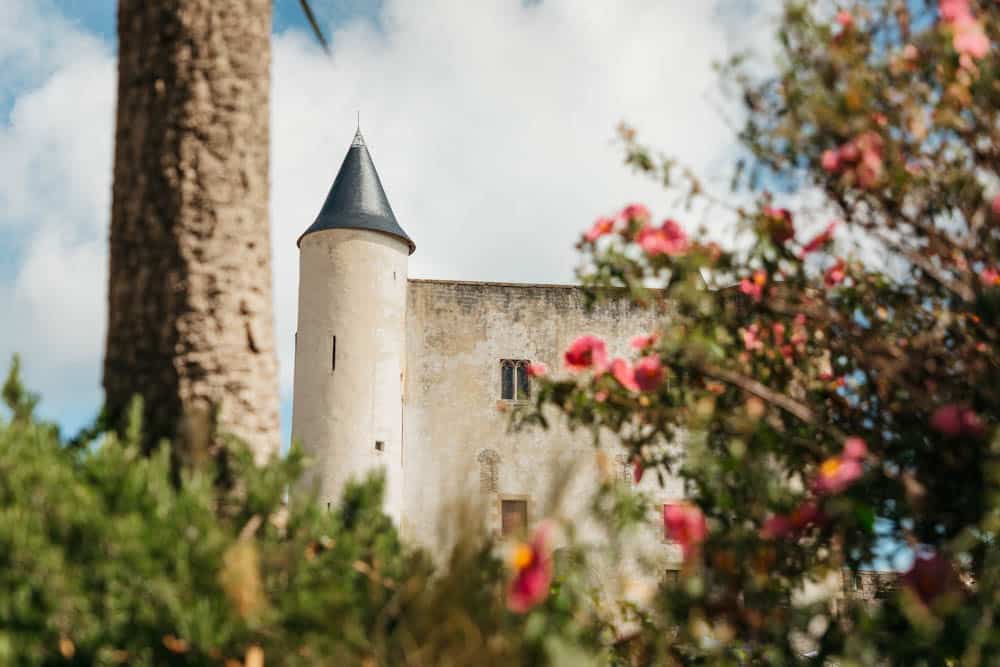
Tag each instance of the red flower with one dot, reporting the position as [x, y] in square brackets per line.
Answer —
[845, 19]
[587, 352]
[624, 374]
[667, 239]
[537, 369]
[930, 576]
[637, 469]
[954, 420]
[830, 161]
[648, 373]
[990, 276]
[636, 212]
[819, 240]
[791, 525]
[835, 274]
[685, 524]
[601, 227]
[532, 566]
[995, 207]
[754, 288]
[643, 341]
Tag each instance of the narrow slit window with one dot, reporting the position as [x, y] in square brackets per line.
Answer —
[333, 354]
[513, 516]
[515, 384]
[380, 445]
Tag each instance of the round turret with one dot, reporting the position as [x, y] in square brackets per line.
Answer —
[350, 343]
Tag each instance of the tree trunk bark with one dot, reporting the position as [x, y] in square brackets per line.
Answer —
[190, 318]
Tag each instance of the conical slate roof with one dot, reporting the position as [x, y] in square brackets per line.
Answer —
[357, 200]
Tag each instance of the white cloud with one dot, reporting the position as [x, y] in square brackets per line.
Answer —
[491, 124]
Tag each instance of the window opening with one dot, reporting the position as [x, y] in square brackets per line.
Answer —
[515, 384]
[513, 516]
[333, 354]
[380, 445]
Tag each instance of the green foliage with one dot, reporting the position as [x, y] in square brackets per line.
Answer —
[109, 557]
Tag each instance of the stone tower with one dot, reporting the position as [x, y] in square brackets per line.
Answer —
[347, 411]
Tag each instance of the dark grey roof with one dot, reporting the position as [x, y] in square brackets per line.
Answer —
[357, 200]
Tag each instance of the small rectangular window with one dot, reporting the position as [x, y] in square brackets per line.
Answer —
[380, 445]
[513, 516]
[514, 381]
[333, 354]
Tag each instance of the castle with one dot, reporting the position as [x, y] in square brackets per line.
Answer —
[412, 376]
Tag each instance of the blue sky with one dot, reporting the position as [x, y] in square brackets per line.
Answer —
[491, 123]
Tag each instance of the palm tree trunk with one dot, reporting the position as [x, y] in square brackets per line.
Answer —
[190, 319]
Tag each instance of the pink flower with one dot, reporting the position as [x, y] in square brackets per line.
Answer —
[532, 567]
[819, 240]
[780, 225]
[751, 341]
[624, 374]
[970, 39]
[648, 373]
[636, 212]
[830, 161]
[855, 448]
[835, 274]
[839, 472]
[601, 227]
[587, 352]
[537, 369]
[754, 288]
[644, 341]
[685, 524]
[870, 169]
[667, 239]
[990, 276]
[776, 527]
[844, 19]
[778, 329]
[953, 421]
[637, 469]
[930, 576]
[954, 10]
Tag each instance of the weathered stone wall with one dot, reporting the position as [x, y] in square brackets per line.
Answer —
[457, 448]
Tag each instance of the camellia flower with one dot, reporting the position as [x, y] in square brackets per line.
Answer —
[587, 352]
[637, 469]
[844, 19]
[791, 525]
[531, 564]
[954, 10]
[601, 227]
[970, 39]
[778, 329]
[537, 369]
[995, 207]
[648, 373]
[624, 374]
[751, 341]
[667, 239]
[819, 240]
[830, 160]
[954, 420]
[636, 212]
[685, 524]
[754, 288]
[835, 274]
[839, 472]
[990, 276]
[644, 341]
[930, 576]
